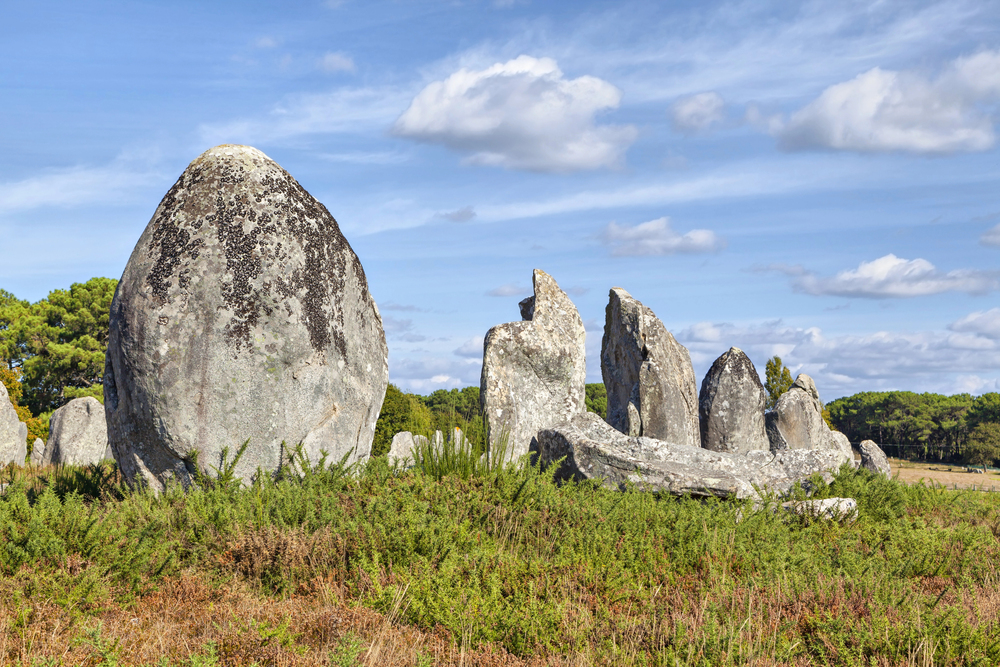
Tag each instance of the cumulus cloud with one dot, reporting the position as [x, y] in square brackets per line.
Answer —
[336, 62]
[845, 364]
[885, 110]
[472, 348]
[510, 289]
[697, 113]
[521, 114]
[891, 277]
[464, 214]
[430, 373]
[982, 322]
[991, 237]
[656, 237]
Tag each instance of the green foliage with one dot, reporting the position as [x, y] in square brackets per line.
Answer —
[778, 380]
[983, 447]
[400, 412]
[57, 343]
[597, 399]
[94, 391]
[984, 409]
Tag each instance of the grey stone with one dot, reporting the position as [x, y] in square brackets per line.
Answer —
[595, 450]
[243, 314]
[834, 509]
[404, 444]
[78, 433]
[796, 422]
[874, 459]
[731, 405]
[37, 452]
[13, 432]
[647, 374]
[533, 370]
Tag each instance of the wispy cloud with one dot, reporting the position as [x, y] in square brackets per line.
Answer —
[521, 114]
[510, 289]
[697, 113]
[657, 237]
[336, 62]
[991, 237]
[464, 214]
[982, 322]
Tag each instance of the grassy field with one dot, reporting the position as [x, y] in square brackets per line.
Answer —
[381, 567]
[951, 476]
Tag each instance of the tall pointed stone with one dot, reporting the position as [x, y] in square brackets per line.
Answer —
[647, 374]
[243, 315]
[731, 405]
[796, 422]
[13, 432]
[534, 370]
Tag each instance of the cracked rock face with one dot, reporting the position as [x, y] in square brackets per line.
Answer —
[533, 370]
[731, 405]
[647, 374]
[594, 450]
[243, 313]
[796, 422]
[78, 434]
[13, 432]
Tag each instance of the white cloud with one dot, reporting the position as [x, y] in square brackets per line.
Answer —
[345, 110]
[982, 322]
[265, 42]
[464, 214]
[521, 114]
[510, 289]
[892, 277]
[885, 110]
[336, 62]
[430, 373]
[991, 237]
[920, 361]
[697, 113]
[656, 237]
[400, 329]
[472, 348]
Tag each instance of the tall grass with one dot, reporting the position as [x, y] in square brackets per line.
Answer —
[501, 558]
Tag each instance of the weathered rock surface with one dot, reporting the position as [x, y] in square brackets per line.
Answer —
[78, 434]
[731, 405]
[873, 458]
[647, 374]
[834, 509]
[533, 370]
[796, 422]
[13, 432]
[404, 444]
[243, 313]
[595, 450]
[37, 452]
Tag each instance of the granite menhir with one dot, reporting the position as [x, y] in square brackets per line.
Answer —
[243, 315]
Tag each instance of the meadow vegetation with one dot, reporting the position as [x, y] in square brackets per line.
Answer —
[323, 565]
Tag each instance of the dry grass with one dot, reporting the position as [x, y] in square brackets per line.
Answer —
[952, 476]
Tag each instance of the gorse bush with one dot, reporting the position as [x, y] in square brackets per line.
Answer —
[505, 557]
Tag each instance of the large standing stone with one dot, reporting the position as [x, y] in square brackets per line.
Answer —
[592, 449]
[243, 315]
[78, 433]
[731, 405]
[13, 432]
[874, 459]
[648, 375]
[533, 370]
[796, 422]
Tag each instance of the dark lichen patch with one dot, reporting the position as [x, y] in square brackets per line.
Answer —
[260, 223]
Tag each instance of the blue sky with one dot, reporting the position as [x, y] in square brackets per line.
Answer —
[816, 180]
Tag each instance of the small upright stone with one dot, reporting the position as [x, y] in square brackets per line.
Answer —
[243, 315]
[796, 422]
[13, 432]
[731, 405]
[874, 459]
[37, 452]
[648, 375]
[533, 370]
[78, 433]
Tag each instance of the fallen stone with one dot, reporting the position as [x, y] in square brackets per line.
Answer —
[647, 374]
[533, 370]
[595, 450]
[13, 432]
[731, 405]
[78, 433]
[243, 315]
[834, 509]
[796, 422]
[874, 459]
